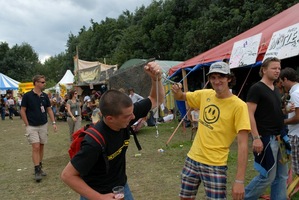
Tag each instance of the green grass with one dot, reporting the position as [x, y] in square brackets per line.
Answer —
[152, 175]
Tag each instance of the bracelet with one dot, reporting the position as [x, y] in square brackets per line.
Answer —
[239, 181]
[256, 137]
[53, 123]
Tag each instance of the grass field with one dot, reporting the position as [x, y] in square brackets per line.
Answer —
[152, 175]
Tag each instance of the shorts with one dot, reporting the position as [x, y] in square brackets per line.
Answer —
[37, 134]
[214, 179]
[294, 140]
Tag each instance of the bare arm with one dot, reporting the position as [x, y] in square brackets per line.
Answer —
[257, 144]
[154, 71]
[178, 94]
[23, 115]
[294, 119]
[238, 190]
[71, 177]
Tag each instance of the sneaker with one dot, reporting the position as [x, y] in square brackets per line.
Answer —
[43, 173]
[38, 176]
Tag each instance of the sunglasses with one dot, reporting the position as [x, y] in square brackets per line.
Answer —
[42, 82]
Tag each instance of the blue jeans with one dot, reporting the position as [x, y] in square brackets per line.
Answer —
[277, 178]
[3, 113]
[128, 194]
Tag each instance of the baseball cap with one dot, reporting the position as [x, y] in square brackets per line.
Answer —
[219, 67]
[86, 98]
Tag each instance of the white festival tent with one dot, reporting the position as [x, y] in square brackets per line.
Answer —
[7, 83]
[67, 80]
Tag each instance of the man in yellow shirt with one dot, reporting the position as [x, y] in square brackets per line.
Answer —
[223, 117]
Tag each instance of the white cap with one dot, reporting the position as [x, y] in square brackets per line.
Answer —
[219, 67]
[86, 98]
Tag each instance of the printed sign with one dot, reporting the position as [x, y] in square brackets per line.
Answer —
[245, 51]
[284, 43]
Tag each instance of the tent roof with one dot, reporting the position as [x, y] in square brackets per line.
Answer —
[267, 28]
[68, 78]
[7, 83]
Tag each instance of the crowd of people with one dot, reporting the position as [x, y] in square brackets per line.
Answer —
[9, 105]
[219, 116]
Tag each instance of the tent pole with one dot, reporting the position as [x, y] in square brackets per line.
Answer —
[244, 82]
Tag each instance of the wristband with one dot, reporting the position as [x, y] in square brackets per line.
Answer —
[239, 181]
[256, 137]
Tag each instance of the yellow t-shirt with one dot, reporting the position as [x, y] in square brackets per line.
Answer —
[219, 122]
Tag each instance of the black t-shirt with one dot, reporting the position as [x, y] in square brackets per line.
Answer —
[268, 114]
[36, 108]
[90, 163]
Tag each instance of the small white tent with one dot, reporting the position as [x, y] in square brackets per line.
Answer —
[67, 79]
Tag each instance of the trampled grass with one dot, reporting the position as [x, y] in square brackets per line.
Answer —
[152, 175]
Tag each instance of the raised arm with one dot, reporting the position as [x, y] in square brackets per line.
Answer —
[178, 94]
[154, 71]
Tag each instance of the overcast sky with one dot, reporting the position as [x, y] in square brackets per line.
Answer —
[46, 24]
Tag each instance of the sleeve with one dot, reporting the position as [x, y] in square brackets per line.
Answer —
[24, 101]
[253, 94]
[87, 157]
[141, 109]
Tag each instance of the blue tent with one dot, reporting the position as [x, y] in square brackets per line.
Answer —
[7, 83]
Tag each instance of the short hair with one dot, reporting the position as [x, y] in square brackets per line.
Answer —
[266, 63]
[36, 78]
[290, 74]
[113, 102]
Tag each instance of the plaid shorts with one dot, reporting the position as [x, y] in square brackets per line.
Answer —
[294, 141]
[213, 178]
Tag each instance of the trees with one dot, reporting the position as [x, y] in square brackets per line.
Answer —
[166, 30]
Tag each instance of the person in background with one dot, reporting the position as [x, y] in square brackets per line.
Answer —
[34, 109]
[11, 106]
[290, 82]
[2, 107]
[267, 121]
[223, 117]
[54, 104]
[73, 108]
[87, 173]
[135, 97]
[19, 101]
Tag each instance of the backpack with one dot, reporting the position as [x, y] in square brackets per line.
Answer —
[78, 137]
[90, 129]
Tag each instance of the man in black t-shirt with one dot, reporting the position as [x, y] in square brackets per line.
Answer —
[35, 106]
[267, 120]
[86, 173]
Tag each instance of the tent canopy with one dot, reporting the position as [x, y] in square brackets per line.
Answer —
[7, 83]
[68, 78]
[267, 28]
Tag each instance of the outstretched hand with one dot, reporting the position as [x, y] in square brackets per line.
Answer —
[153, 70]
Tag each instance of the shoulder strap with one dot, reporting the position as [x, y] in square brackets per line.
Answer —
[135, 138]
[98, 137]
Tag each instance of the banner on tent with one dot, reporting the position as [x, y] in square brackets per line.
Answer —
[245, 51]
[87, 73]
[284, 43]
